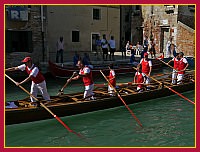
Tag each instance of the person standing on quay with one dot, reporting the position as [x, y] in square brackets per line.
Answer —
[60, 49]
[123, 48]
[98, 47]
[112, 48]
[104, 45]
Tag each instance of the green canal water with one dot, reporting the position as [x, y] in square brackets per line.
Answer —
[167, 122]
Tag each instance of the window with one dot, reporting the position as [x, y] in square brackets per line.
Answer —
[137, 7]
[127, 17]
[18, 41]
[75, 36]
[96, 14]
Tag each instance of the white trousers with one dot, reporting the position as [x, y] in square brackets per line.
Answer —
[180, 78]
[174, 76]
[88, 91]
[110, 89]
[147, 80]
[39, 87]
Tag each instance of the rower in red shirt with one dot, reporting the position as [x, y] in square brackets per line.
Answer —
[139, 79]
[112, 80]
[175, 68]
[86, 74]
[182, 66]
[146, 67]
[38, 80]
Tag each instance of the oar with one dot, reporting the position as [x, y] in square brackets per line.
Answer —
[165, 63]
[169, 65]
[121, 84]
[61, 90]
[119, 96]
[57, 118]
[171, 89]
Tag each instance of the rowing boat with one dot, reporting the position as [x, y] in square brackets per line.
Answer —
[62, 71]
[71, 104]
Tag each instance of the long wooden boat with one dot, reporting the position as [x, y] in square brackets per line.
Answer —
[71, 104]
[59, 71]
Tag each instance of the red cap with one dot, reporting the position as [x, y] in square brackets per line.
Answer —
[145, 54]
[26, 59]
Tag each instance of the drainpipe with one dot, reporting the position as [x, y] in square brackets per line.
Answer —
[42, 31]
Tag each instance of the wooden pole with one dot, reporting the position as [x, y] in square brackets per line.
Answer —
[119, 96]
[57, 118]
[171, 89]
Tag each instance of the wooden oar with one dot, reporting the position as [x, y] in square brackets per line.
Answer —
[57, 118]
[171, 89]
[119, 96]
[170, 65]
[165, 63]
[61, 90]
[120, 84]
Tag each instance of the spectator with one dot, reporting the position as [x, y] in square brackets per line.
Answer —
[104, 45]
[112, 48]
[98, 47]
[86, 59]
[132, 60]
[123, 48]
[60, 49]
[76, 58]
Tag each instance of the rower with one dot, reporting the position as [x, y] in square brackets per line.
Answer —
[112, 80]
[38, 80]
[183, 64]
[86, 74]
[146, 68]
[139, 78]
[175, 68]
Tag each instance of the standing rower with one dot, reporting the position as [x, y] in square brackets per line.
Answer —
[140, 79]
[112, 80]
[183, 64]
[146, 68]
[38, 80]
[85, 73]
[175, 69]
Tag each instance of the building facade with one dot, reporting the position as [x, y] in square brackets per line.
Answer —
[33, 30]
[80, 26]
[23, 33]
[160, 23]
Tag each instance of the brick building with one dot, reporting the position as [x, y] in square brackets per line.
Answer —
[186, 39]
[162, 23]
[24, 34]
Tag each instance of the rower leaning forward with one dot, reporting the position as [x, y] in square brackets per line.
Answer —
[38, 80]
